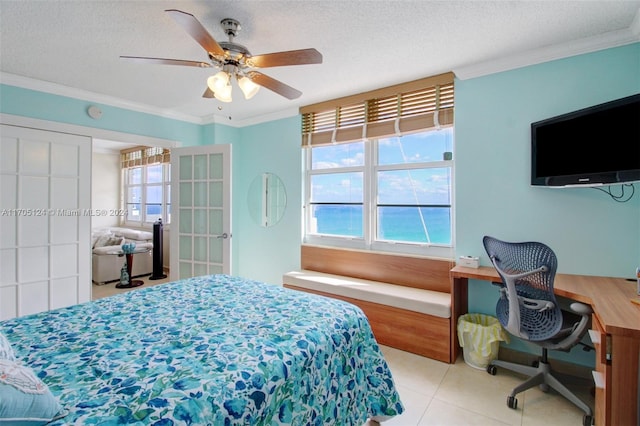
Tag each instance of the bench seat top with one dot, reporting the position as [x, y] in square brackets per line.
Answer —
[428, 302]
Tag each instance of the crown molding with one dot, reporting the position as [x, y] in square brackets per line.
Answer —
[549, 53]
[93, 132]
[85, 95]
[272, 116]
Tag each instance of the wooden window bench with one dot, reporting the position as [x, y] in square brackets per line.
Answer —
[407, 299]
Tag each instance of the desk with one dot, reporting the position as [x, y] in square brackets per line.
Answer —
[616, 321]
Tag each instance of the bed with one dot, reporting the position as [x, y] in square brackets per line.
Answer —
[216, 350]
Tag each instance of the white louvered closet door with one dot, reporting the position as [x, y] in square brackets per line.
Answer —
[45, 220]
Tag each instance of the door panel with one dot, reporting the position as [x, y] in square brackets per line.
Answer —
[201, 228]
[45, 221]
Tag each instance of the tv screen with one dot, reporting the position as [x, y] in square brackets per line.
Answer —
[599, 145]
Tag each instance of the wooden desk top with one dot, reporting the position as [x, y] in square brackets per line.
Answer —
[610, 298]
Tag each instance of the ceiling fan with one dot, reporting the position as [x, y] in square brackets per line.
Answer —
[234, 60]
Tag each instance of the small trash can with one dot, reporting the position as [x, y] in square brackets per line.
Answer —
[480, 336]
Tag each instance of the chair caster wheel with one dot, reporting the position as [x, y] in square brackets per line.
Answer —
[587, 420]
[491, 369]
[512, 402]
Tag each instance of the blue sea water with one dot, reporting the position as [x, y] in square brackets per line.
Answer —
[394, 223]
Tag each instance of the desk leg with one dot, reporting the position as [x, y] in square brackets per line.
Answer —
[459, 306]
[625, 366]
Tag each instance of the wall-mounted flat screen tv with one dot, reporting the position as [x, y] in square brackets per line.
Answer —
[599, 145]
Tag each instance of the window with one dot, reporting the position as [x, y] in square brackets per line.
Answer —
[146, 185]
[389, 194]
[379, 169]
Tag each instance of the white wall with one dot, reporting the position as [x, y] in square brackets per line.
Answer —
[105, 188]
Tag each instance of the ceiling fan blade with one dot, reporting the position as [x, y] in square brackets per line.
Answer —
[164, 61]
[274, 85]
[291, 57]
[208, 93]
[194, 28]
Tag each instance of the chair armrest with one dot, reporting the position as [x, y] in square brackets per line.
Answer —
[581, 308]
[570, 336]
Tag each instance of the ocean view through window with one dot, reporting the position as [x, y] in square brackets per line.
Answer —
[388, 194]
[146, 192]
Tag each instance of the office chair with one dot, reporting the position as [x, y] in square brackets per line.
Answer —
[528, 309]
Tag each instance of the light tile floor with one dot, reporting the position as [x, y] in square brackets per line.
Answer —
[435, 393]
[104, 290]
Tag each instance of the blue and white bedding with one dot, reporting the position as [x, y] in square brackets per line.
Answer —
[215, 350]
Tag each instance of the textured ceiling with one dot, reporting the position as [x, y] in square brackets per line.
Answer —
[365, 44]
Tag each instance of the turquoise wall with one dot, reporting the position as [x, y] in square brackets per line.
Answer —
[266, 253]
[591, 233]
[219, 133]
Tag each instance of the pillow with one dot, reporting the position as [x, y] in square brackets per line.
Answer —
[102, 238]
[108, 240]
[25, 399]
[6, 351]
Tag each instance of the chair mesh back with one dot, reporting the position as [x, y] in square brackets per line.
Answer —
[516, 258]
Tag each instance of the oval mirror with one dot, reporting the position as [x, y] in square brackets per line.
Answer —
[267, 199]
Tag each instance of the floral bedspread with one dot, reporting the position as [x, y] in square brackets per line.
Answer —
[215, 350]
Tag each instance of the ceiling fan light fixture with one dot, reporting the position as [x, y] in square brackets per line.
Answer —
[218, 81]
[248, 87]
[223, 94]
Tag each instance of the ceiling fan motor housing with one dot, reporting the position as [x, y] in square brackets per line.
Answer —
[230, 26]
[235, 52]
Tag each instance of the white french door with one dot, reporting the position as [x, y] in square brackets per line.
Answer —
[45, 220]
[200, 211]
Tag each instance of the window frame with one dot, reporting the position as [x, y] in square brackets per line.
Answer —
[165, 184]
[370, 218]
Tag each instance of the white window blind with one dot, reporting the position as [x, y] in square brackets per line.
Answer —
[404, 108]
